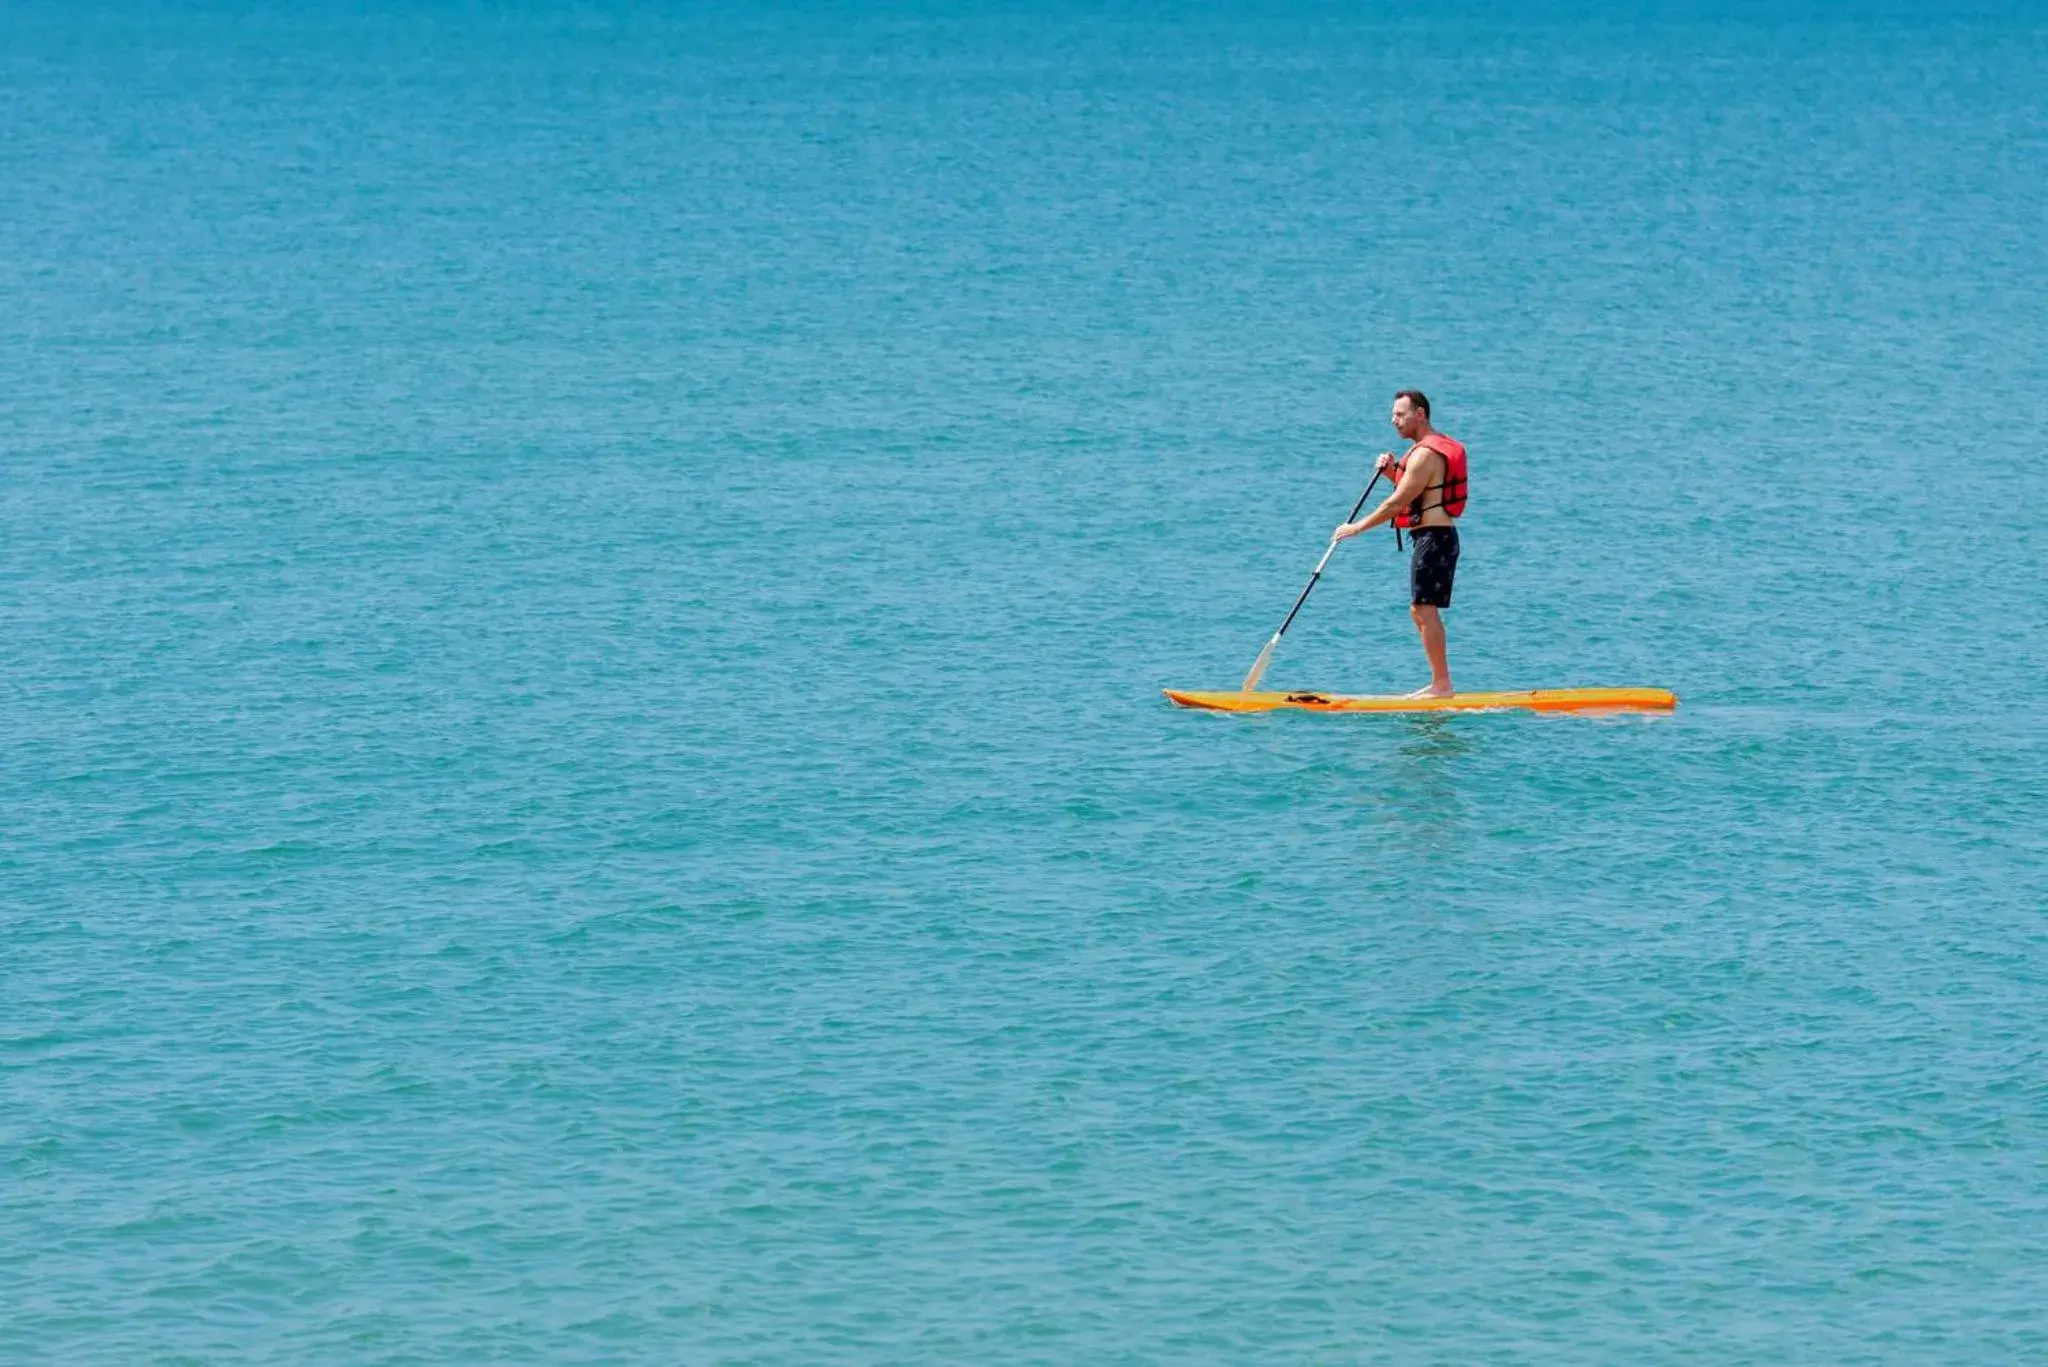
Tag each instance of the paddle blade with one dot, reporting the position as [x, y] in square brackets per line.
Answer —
[1251, 680]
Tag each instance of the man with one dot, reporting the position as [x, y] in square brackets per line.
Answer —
[1429, 491]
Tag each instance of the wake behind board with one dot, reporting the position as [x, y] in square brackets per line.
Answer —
[1534, 700]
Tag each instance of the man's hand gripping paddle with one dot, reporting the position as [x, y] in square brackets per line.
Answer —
[1251, 680]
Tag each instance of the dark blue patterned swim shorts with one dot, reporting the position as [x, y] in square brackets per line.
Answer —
[1433, 566]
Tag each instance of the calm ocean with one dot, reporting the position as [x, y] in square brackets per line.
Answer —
[583, 595]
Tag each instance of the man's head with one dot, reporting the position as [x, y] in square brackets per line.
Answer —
[1411, 414]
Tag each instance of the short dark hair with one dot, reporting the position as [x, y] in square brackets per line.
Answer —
[1416, 397]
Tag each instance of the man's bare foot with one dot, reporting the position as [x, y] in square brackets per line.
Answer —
[1433, 691]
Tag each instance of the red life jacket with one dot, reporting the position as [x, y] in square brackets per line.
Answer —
[1451, 493]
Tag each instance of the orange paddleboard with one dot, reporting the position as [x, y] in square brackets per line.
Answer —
[1534, 700]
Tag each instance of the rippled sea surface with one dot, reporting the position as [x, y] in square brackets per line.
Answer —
[583, 595]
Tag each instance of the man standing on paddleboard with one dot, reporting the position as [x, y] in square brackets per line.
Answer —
[1429, 491]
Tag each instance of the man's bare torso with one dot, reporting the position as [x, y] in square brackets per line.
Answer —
[1431, 464]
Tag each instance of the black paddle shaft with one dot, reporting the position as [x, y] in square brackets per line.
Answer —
[1310, 586]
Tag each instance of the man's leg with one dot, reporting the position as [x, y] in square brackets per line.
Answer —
[1430, 623]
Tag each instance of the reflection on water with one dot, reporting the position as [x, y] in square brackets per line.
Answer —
[1421, 794]
[1433, 737]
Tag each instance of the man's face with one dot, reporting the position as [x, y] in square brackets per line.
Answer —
[1406, 416]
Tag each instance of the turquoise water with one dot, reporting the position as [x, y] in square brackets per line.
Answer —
[585, 593]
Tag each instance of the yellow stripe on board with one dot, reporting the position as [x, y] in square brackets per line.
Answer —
[1533, 700]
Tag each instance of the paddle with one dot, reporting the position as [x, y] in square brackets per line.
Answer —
[1251, 680]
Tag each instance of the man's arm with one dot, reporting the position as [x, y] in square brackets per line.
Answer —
[1414, 480]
